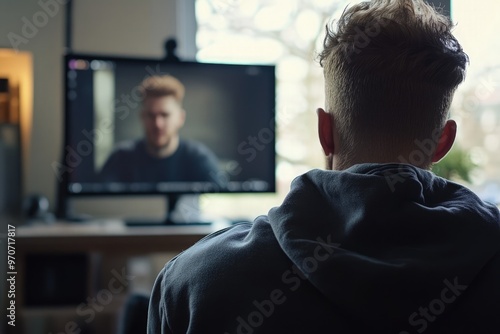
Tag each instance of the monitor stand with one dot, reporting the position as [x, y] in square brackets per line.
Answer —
[171, 202]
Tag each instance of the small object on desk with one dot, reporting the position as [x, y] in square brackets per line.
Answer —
[36, 208]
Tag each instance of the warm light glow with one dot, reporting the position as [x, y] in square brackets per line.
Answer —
[7, 52]
[18, 68]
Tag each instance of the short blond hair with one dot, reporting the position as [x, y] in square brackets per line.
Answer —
[391, 68]
[159, 86]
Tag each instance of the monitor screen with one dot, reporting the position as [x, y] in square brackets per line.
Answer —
[148, 126]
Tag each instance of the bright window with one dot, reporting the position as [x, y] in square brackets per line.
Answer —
[477, 102]
[290, 33]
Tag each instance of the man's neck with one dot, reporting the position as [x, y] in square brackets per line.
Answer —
[165, 151]
[342, 164]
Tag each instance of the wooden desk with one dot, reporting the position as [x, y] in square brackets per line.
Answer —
[109, 236]
[109, 239]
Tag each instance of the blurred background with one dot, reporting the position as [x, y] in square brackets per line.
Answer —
[286, 33]
[290, 34]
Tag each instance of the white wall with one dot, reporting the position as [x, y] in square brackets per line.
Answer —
[132, 27]
[118, 27]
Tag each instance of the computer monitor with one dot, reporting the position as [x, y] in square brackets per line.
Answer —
[114, 146]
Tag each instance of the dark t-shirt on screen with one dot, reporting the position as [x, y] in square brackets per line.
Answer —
[130, 162]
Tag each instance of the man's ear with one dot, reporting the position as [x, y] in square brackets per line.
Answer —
[446, 140]
[325, 131]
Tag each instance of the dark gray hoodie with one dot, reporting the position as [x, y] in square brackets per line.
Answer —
[377, 248]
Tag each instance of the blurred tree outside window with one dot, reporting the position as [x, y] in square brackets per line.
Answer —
[290, 33]
[476, 106]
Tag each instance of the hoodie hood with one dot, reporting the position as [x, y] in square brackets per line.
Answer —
[383, 241]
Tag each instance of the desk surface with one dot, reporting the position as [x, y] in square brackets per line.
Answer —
[109, 236]
[112, 240]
